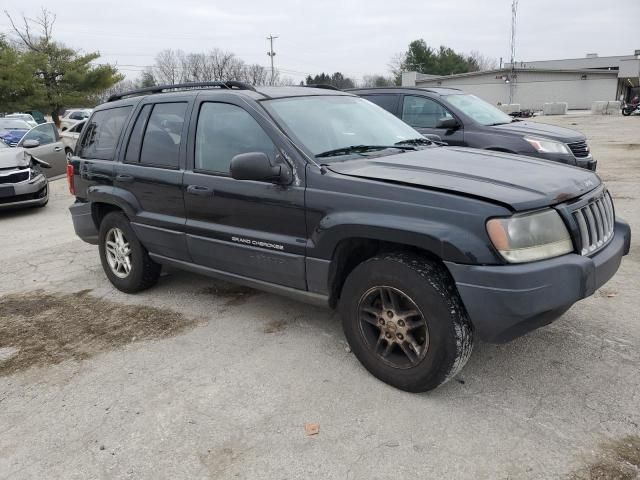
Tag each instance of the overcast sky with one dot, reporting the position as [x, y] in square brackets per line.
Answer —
[356, 37]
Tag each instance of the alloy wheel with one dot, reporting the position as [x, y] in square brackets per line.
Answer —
[393, 327]
[118, 252]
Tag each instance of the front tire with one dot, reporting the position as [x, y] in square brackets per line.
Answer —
[405, 322]
[125, 261]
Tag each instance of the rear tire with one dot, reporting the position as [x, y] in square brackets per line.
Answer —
[125, 261]
[430, 346]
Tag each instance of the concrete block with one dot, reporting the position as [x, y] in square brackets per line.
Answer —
[611, 107]
[509, 108]
[555, 108]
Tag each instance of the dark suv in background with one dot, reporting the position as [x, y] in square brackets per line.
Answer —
[325, 197]
[465, 120]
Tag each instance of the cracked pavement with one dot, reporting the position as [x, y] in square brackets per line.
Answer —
[228, 398]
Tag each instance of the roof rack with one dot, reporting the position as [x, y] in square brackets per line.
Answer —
[182, 86]
[323, 85]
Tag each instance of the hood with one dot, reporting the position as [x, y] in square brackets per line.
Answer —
[12, 136]
[517, 181]
[13, 157]
[561, 134]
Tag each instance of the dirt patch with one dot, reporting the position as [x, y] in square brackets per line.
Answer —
[625, 146]
[616, 460]
[275, 326]
[232, 295]
[47, 329]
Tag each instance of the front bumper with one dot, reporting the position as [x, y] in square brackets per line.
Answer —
[588, 163]
[26, 194]
[507, 301]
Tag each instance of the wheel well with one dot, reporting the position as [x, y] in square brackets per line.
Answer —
[351, 252]
[100, 210]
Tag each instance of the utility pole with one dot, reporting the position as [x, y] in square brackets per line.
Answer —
[514, 14]
[271, 54]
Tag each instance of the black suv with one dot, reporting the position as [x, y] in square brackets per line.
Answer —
[465, 120]
[327, 198]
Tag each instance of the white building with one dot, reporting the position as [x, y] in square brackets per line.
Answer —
[579, 81]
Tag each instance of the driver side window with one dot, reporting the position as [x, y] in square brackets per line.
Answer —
[224, 131]
[45, 134]
[422, 112]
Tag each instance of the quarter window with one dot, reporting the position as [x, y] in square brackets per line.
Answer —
[162, 137]
[102, 133]
[422, 112]
[225, 131]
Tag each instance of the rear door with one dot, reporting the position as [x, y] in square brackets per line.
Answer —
[248, 228]
[51, 148]
[423, 114]
[150, 174]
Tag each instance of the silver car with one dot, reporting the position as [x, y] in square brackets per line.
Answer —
[22, 181]
[44, 142]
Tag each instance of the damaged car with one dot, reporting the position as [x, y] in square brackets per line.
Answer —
[22, 181]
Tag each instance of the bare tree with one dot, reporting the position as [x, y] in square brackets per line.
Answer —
[484, 62]
[35, 42]
[396, 66]
[377, 81]
[256, 74]
[168, 67]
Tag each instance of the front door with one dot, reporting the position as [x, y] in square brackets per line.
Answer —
[51, 148]
[423, 114]
[247, 228]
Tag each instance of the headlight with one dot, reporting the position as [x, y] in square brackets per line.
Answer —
[530, 237]
[548, 146]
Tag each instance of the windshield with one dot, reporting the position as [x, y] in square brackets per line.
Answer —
[11, 124]
[479, 110]
[324, 123]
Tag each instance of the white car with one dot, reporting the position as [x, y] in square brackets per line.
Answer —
[70, 137]
[73, 116]
[24, 117]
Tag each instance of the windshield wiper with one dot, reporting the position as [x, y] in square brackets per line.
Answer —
[415, 141]
[359, 149]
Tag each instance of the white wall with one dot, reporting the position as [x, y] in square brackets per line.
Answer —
[533, 89]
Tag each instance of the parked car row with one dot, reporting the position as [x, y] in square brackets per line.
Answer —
[325, 197]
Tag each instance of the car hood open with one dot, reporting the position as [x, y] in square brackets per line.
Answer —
[516, 181]
[13, 157]
[534, 129]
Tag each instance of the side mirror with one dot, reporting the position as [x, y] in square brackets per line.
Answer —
[256, 166]
[449, 123]
[30, 144]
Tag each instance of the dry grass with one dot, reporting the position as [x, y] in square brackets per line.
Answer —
[48, 329]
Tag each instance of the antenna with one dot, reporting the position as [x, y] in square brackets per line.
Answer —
[514, 14]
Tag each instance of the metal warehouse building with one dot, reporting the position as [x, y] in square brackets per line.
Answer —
[579, 82]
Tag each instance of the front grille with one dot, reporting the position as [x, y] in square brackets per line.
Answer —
[579, 149]
[15, 177]
[595, 222]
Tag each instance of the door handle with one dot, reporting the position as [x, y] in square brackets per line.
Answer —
[57, 149]
[199, 190]
[124, 178]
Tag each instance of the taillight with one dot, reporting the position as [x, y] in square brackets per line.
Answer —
[70, 179]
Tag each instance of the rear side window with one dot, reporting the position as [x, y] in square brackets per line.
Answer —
[101, 135]
[135, 140]
[225, 131]
[388, 102]
[163, 135]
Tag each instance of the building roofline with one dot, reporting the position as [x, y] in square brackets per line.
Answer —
[518, 70]
[608, 57]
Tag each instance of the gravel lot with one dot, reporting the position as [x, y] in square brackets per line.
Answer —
[197, 379]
